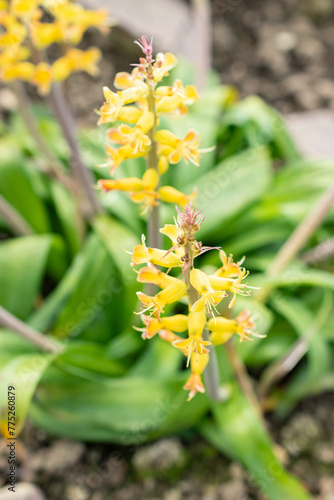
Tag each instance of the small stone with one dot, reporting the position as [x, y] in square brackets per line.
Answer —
[23, 491]
[285, 41]
[301, 434]
[236, 471]
[76, 492]
[61, 455]
[163, 455]
[173, 494]
[8, 100]
[233, 490]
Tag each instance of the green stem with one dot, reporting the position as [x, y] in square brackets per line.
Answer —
[153, 223]
[299, 238]
[14, 219]
[81, 173]
[211, 372]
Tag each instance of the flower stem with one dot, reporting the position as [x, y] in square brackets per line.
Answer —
[14, 219]
[299, 238]
[153, 223]
[36, 338]
[80, 171]
[211, 372]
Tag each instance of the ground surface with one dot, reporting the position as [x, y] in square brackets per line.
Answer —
[176, 468]
[282, 50]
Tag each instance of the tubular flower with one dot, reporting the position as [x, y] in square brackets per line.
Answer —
[172, 293]
[142, 255]
[41, 23]
[138, 103]
[229, 268]
[210, 297]
[194, 383]
[140, 190]
[223, 329]
[153, 325]
[177, 149]
[194, 343]
[203, 292]
[230, 285]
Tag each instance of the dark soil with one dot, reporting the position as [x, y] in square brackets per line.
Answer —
[176, 468]
[282, 50]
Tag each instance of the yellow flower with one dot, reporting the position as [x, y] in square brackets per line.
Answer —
[177, 149]
[176, 97]
[173, 232]
[148, 196]
[163, 64]
[173, 293]
[151, 274]
[118, 155]
[140, 190]
[127, 184]
[77, 60]
[198, 364]
[20, 70]
[194, 343]
[44, 34]
[115, 101]
[142, 255]
[42, 77]
[169, 194]
[136, 137]
[229, 269]
[124, 80]
[153, 325]
[24, 8]
[223, 329]
[230, 285]
[210, 297]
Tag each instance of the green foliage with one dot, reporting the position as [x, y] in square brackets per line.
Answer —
[76, 283]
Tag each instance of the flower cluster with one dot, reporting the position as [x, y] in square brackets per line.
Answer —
[204, 292]
[139, 102]
[30, 26]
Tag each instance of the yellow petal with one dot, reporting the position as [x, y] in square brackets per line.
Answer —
[167, 138]
[171, 231]
[177, 323]
[146, 122]
[196, 322]
[163, 165]
[150, 179]
[129, 114]
[127, 184]
[172, 195]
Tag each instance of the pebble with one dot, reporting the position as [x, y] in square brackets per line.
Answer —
[60, 456]
[233, 490]
[162, 455]
[301, 434]
[23, 491]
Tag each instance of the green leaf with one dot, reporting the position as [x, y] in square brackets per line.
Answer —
[22, 266]
[16, 187]
[68, 216]
[237, 431]
[262, 125]
[231, 187]
[126, 410]
[20, 376]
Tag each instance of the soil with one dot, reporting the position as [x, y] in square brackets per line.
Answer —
[282, 50]
[176, 468]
